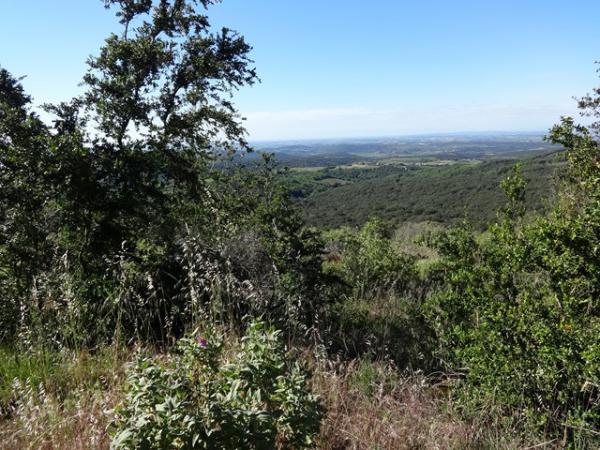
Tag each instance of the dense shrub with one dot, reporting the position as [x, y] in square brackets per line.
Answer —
[377, 312]
[201, 398]
[367, 261]
[137, 229]
[388, 328]
[519, 311]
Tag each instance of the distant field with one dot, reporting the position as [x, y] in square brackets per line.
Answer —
[407, 149]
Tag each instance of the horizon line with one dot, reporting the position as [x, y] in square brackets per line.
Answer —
[397, 136]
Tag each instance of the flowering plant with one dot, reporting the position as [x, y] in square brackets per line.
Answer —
[198, 398]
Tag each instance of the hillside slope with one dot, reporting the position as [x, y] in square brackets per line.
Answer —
[442, 193]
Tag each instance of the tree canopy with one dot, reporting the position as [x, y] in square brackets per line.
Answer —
[127, 206]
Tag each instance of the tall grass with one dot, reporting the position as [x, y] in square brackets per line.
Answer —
[66, 402]
[58, 399]
[373, 406]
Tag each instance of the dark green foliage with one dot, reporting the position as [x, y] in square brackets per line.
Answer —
[131, 219]
[444, 194]
[127, 218]
[387, 328]
[366, 261]
[377, 315]
[302, 183]
[266, 264]
[27, 181]
[158, 98]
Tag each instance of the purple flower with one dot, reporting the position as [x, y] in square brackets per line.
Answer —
[202, 342]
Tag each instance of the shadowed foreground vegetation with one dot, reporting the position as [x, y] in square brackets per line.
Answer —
[157, 294]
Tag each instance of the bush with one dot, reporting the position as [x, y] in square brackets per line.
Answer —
[199, 398]
[368, 262]
[519, 311]
[389, 328]
[125, 235]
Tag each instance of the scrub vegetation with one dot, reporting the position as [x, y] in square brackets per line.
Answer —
[160, 289]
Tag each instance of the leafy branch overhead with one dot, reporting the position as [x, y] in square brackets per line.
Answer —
[169, 78]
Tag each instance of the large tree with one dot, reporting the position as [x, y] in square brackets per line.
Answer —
[156, 111]
[141, 213]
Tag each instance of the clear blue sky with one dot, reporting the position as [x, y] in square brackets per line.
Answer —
[348, 68]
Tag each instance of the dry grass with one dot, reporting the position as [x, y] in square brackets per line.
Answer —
[46, 424]
[398, 413]
[368, 406]
[69, 410]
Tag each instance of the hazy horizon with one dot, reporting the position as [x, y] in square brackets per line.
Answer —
[383, 137]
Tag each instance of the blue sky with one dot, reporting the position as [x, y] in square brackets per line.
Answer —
[348, 68]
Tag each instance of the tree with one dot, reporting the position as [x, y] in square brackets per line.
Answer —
[24, 192]
[589, 105]
[140, 202]
[157, 110]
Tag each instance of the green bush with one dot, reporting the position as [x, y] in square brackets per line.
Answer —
[389, 328]
[367, 261]
[200, 398]
[519, 312]
[126, 236]
[378, 310]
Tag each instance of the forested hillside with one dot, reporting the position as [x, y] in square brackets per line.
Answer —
[158, 292]
[444, 193]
